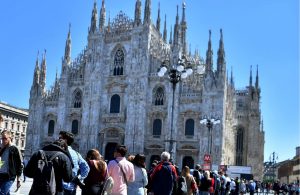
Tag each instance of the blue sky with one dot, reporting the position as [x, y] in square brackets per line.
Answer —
[256, 32]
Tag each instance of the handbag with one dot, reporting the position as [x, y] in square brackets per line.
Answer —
[108, 185]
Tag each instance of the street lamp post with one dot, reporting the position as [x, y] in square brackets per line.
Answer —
[209, 124]
[273, 158]
[177, 72]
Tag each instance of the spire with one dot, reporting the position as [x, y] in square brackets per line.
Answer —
[158, 19]
[165, 29]
[256, 80]
[36, 77]
[137, 13]
[43, 71]
[196, 53]
[94, 18]
[209, 54]
[221, 55]
[102, 16]
[108, 25]
[176, 29]
[170, 41]
[56, 77]
[183, 29]
[147, 12]
[67, 57]
[231, 77]
[250, 80]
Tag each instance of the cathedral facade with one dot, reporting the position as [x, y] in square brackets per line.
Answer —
[110, 94]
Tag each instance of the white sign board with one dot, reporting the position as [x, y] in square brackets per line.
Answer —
[239, 169]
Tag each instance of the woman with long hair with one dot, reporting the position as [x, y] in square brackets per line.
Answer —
[190, 181]
[98, 169]
[141, 180]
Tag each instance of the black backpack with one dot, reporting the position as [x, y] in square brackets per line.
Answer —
[44, 178]
[182, 187]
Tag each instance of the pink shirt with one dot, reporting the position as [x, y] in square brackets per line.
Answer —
[120, 187]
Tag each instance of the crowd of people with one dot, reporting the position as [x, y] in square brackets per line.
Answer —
[58, 169]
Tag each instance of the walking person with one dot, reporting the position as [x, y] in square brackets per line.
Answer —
[94, 182]
[61, 164]
[10, 164]
[252, 186]
[121, 170]
[80, 169]
[190, 181]
[164, 176]
[137, 187]
[25, 161]
[243, 189]
[205, 184]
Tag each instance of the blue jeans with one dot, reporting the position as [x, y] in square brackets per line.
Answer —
[5, 187]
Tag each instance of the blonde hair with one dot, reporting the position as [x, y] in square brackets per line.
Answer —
[207, 174]
[185, 171]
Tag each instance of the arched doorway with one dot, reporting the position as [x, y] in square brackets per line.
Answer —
[188, 161]
[109, 151]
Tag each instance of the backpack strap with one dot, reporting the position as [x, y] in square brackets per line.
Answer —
[122, 172]
[56, 154]
[43, 156]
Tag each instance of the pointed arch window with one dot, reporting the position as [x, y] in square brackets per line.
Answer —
[75, 126]
[159, 95]
[118, 62]
[189, 127]
[115, 104]
[77, 99]
[51, 126]
[157, 125]
[239, 146]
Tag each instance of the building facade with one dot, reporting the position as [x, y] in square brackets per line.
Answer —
[289, 170]
[15, 120]
[110, 94]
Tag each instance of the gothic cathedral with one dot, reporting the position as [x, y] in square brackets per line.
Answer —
[110, 94]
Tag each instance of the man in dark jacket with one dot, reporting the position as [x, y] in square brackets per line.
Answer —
[61, 163]
[10, 163]
[164, 176]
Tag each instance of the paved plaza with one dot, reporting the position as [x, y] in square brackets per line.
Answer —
[25, 188]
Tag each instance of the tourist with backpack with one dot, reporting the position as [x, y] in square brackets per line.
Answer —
[80, 167]
[252, 186]
[48, 168]
[11, 163]
[164, 176]
[197, 174]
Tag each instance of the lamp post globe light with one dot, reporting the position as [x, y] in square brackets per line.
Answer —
[209, 123]
[175, 73]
